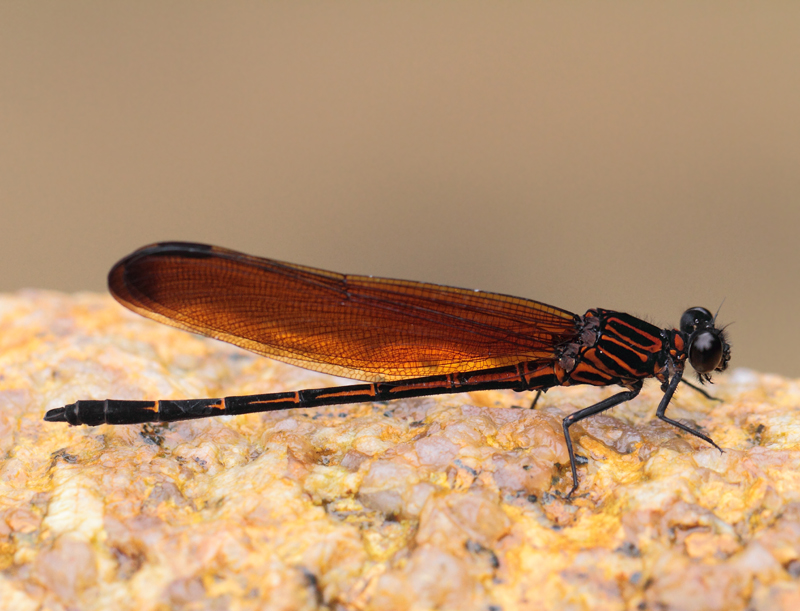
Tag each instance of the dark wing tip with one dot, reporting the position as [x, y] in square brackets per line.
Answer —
[119, 278]
[160, 249]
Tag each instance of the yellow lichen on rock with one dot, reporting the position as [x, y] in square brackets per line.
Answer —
[455, 502]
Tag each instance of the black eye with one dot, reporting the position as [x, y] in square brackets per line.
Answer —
[693, 317]
[705, 351]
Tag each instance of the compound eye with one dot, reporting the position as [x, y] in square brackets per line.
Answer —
[705, 351]
[693, 317]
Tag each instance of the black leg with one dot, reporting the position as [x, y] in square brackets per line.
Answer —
[622, 397]
[662, 408]
[536, 399]
[701, 390]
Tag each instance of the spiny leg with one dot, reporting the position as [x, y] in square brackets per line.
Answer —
[602, 406]
[536, 399]
[669, 390]
[701, 390]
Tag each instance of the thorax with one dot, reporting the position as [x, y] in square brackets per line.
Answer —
[617, 348]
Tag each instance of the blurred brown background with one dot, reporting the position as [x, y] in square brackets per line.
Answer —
[637, 156]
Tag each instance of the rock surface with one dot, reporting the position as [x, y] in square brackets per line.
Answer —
[453, 502]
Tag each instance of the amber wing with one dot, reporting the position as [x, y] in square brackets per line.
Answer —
[360, 327]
